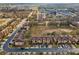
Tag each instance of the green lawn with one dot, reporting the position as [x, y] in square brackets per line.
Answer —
[77, 46]
[0, 45]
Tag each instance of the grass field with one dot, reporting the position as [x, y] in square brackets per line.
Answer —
[38, 30]
[77, 46]
[43, 30]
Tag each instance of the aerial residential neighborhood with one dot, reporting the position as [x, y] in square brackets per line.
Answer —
[39, 29]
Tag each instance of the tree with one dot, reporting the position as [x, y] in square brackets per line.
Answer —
[53, 33]
[28, 34]
[48, 34]
[64, 33]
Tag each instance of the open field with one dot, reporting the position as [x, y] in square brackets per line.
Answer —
[43, 30]
[37, 30]
[58, 30]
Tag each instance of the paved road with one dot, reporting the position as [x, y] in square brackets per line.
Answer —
[8, 49]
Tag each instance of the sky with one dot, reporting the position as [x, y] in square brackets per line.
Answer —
[39, 1]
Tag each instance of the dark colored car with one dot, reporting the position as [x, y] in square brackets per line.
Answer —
[22, 48]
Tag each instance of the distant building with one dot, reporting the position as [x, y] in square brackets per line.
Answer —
[41, 16]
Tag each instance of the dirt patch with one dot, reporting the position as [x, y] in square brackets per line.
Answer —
[57, 30]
